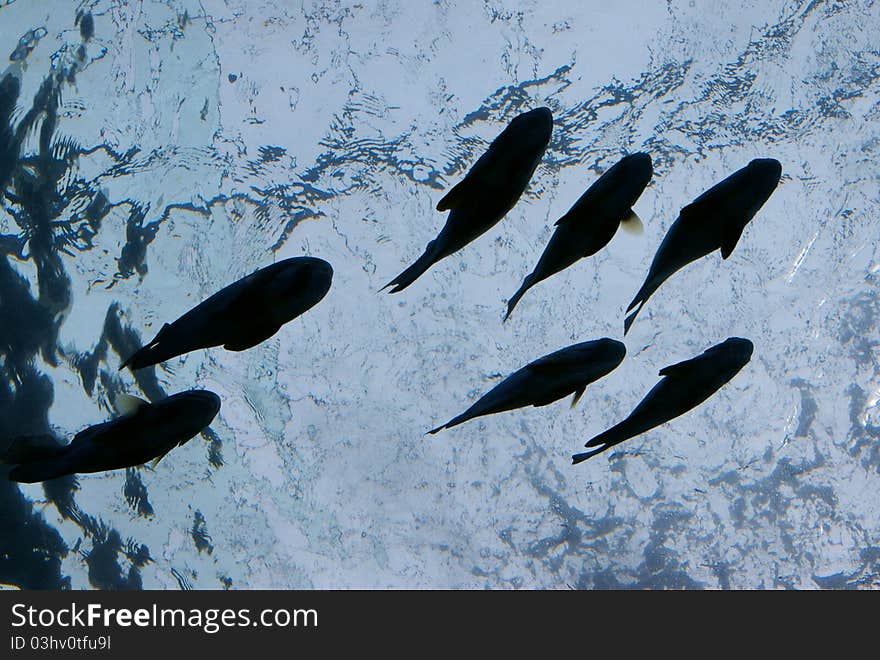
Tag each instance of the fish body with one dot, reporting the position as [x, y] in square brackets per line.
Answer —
[713, 221]
[683, 387]
[243, 314]
[489, 190]
[146, 433]
[593, 220]
[548, 379]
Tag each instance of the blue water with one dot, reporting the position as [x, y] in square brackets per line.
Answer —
[184, 144]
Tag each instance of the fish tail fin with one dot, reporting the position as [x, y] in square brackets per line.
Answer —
[628, 321]
[139, 359]
[580, 458]
[412, 273]
[149, 354]
[156, 352]
[647, 290]
[608, 439]
[515, 298]
[455, 421]
[615, 435]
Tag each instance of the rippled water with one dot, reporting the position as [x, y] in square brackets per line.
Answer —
[184, 144]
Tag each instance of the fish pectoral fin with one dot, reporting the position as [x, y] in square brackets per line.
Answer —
[633, 224]
[156, 460]
[456, 196]
[126, 404]
[251, 337]
[730, 238]
[577, 396]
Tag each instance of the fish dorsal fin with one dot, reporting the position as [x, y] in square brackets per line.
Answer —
[563, 219]
[633, 224]
[679, 369]
[126, 404]
[456, 196]
[691, 210]
[730, 238]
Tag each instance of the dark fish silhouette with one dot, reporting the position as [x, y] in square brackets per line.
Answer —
[593, 220]
[244, 313]
[145, 432]
[488, 191]
[548, 379]
[684, 386]
[714, 220]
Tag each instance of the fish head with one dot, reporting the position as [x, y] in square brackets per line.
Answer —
[637, 168]
[303, 274]
[732, 354]
[611, 350]
[624, 183]
[532, 129]
[765, 174]
[192, 410]
[604, 354]
[320, 270]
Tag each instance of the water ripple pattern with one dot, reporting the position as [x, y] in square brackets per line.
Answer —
[153, 152]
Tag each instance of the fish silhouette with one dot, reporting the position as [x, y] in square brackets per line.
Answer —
[548, 379]
[593, 220]
[714, 220]
[244, 313]
[684, 386]
[144, 432]
[488, 191]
